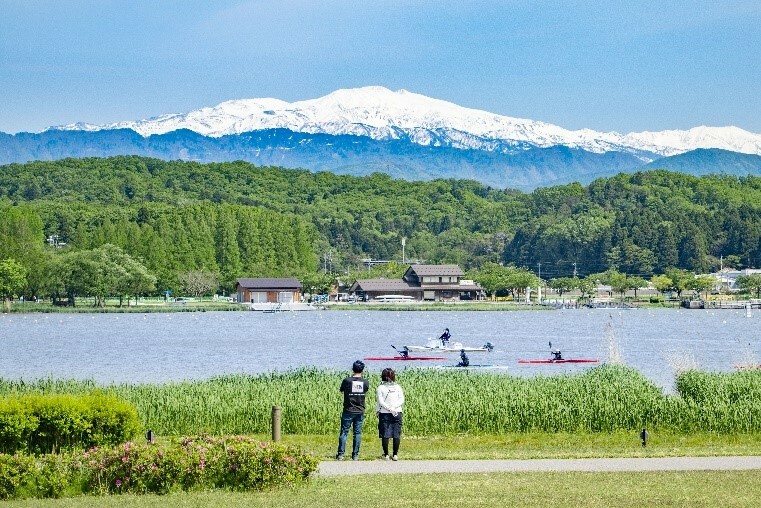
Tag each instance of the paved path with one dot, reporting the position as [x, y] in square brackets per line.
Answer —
[334, 468]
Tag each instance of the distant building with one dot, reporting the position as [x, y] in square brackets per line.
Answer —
[728, 278]
[422, 282]
[267, 290]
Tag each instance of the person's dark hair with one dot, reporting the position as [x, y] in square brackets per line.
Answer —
[358, 367]
[388, 375]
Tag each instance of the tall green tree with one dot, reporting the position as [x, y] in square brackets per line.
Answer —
[750, 283]
[12, 279]
[564, 284]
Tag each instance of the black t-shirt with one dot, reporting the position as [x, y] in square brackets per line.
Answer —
[354, 389]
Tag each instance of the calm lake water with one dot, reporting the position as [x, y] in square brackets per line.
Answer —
[195, 345]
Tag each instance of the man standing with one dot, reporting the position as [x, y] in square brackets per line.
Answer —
[354, 389]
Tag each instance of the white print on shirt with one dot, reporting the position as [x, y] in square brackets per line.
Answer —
[357, 387]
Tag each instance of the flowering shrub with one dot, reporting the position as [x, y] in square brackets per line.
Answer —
[28, 476]
[198, 463]
[204, 462]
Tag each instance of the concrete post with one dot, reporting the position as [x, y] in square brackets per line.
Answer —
[276, 419]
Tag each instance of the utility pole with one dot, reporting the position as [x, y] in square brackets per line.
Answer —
[539, 286]
[574, 269]
[404, 241]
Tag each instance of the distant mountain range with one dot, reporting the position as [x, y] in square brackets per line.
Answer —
[406, 135]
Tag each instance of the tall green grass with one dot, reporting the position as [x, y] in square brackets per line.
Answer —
[602, 399]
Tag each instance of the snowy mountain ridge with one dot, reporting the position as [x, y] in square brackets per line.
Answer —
[382, 114]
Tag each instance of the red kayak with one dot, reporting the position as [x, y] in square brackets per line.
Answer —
[389, 358]
[570, 360]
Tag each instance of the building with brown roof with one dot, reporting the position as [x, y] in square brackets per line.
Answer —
[268, 290]
[422, 282]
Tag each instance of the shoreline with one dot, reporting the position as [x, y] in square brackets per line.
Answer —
[37, 308]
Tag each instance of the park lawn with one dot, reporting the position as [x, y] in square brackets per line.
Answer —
[556, 489]
[539, 445]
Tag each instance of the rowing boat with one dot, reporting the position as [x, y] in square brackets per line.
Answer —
[569, 360]
[435, 346]
[403, 358]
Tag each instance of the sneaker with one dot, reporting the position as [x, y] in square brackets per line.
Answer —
[355, 457]
[395, 458]
[384, 457]
[339, 457]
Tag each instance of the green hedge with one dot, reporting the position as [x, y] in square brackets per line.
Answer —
[43, 423]
[200, 463]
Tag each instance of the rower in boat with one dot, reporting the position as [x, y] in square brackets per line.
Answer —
[444, 338]
[556, 354]
[464, 360]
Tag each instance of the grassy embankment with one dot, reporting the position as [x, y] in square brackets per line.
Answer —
[85, 305]
[455, 414]
[461, 415]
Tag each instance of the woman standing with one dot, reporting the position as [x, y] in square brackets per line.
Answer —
[390, 401]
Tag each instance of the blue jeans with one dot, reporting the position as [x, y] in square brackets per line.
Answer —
[348, 420]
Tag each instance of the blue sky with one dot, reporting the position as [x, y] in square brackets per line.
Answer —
[623, 66]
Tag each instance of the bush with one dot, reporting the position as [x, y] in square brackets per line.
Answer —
[28, 476]
[233, 462]
[37, 423]
[15, 472]
[205, 462]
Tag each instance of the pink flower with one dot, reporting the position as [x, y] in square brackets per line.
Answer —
[125, 459]
[118, 483]
[268, 460]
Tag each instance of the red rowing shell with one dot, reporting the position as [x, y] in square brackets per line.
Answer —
[570, 360]
[407, 358]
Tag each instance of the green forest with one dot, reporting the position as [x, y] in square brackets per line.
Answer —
[230, 220]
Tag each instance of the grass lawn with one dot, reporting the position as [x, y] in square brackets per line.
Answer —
[541, 445]
[695, 488]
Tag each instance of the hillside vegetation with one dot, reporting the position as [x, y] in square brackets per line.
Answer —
[236, 219]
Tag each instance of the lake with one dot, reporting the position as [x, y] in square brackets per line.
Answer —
[195, 345]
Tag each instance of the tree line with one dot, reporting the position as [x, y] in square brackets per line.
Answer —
[239, 220]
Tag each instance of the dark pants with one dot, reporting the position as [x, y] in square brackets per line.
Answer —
[348, 420]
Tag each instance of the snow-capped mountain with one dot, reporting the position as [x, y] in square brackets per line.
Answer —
[404, 134]
[382, 114]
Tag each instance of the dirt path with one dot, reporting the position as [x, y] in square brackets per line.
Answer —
[333, 468]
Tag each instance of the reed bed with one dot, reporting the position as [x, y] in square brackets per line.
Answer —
[602, 399]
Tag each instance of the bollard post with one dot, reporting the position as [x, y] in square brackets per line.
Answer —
[276, 423]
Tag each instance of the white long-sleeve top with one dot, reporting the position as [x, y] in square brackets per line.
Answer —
[390, 398]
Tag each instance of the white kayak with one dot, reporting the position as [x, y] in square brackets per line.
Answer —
[435, 346]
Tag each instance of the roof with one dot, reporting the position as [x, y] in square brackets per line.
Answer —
[383, 285]
[454, 287]
[450, 270]
[270, 283]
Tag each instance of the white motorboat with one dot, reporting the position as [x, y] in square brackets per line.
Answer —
[436, 346]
